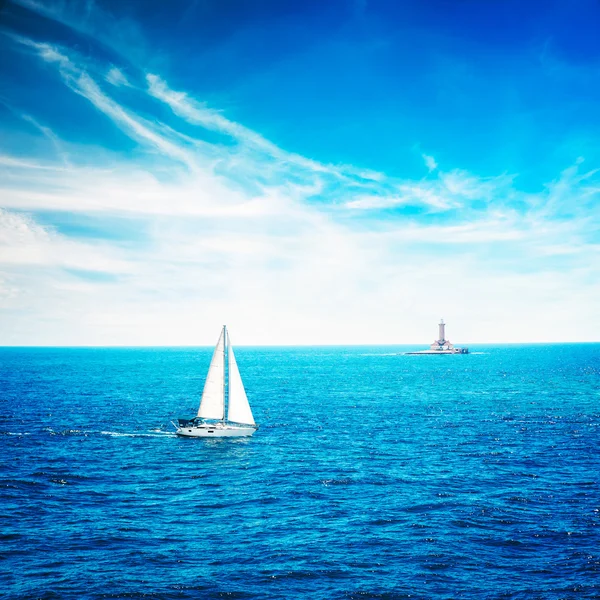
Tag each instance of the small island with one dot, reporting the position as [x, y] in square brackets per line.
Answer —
[442, 345]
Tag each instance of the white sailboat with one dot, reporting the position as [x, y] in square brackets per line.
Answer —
[224, 408]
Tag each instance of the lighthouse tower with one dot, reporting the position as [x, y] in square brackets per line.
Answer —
[442, 334]
[441, 343]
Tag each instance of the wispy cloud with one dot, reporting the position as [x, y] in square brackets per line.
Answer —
[198, 113]
[117, 77]
[194, 112]
[448, 190]
[140, 129]
[49, 134]
[23, 242]
[232, 228]
[14, 162]
[89, 19]
[430, 162]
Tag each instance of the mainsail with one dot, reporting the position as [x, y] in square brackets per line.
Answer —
[212, 405]
[238, 409]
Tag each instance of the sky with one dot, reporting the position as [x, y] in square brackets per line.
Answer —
[306, 172]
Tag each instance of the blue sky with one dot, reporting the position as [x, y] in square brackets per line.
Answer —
[306, 172]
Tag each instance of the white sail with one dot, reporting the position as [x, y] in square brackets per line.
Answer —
[238, 410]
[212, 405]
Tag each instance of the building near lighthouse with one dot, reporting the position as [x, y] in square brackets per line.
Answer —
[442, 345]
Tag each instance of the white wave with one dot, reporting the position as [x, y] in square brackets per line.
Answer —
[121, 434]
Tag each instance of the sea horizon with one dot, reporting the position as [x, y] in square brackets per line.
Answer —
[366, 345]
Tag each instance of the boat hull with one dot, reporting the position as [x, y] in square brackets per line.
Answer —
[440, 352]
[223, 431]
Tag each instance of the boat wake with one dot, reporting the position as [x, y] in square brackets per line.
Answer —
[122, 434]
[87, 432]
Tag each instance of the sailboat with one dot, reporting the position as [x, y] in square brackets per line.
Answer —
[224, 408]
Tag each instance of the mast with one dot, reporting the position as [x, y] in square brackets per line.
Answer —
[224, 370]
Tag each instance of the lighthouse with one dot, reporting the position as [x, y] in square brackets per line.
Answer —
[442, 332]
[442, 345]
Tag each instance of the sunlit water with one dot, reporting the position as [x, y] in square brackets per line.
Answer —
[373, 475]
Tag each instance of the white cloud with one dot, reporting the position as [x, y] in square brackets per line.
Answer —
[137, 127]
[232, 233]
[430, 162]
[449, 190]
[50, 135]
[89, 18]
[198, 113]
[116, 77]
[19, 163]
[78, 79]
[25, 243]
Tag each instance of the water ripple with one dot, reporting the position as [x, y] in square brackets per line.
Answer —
[373, 475]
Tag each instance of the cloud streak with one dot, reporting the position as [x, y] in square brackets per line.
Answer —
[285, 248]
[197, 113]
[117, 77]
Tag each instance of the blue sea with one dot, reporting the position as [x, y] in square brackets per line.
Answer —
[373, 475]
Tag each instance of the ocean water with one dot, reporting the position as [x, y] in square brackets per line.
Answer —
[373, 475]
